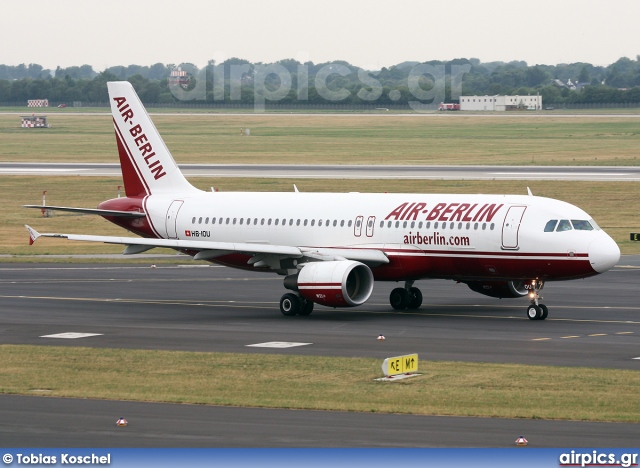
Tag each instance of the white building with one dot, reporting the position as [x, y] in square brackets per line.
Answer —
[500, 103]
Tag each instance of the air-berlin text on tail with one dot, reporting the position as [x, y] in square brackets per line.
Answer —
[141, 140]
[468, 212]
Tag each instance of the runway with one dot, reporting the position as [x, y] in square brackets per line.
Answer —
[592, 322]
[297, 171]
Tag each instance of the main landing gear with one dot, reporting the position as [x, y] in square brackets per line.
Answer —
[406, 298]
[292, 304]
[536, 311]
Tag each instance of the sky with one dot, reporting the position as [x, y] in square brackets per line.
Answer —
[366, 33]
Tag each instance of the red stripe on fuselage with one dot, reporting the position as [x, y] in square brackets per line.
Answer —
[516, 266]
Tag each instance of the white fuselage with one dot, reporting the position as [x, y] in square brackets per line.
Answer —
[424, 235]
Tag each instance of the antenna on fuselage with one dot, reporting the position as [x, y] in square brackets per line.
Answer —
[295, 189]
[529, 192]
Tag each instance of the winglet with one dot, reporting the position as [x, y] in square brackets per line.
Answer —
[33, 234]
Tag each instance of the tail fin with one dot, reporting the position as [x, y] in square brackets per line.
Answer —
[147, 164]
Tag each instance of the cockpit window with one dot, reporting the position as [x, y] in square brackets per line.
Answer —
[563, 225]
[581, 225]
[551, 225]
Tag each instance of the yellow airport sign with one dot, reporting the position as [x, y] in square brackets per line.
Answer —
[400, 364]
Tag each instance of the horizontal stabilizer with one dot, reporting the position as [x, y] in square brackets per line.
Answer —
[93, 211]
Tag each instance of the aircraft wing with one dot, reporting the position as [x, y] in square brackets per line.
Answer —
[94, 211]
[208, 249]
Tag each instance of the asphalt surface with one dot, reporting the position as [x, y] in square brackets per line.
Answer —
[584, 173]
[592, 322]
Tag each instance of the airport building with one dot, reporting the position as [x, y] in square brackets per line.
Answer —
[500, 103]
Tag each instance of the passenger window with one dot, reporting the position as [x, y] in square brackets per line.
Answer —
[313, 222]
[381, 223]
[335, 222]
[298, 223]
[241, 221]
[193, 220]
[277, 221]
[349, 223]
[551, 225]
[269, 222]
[342, 223]
[581, 225]
[200, 220]
[563, 225]
[206, 220]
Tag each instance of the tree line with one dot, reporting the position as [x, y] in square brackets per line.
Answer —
[291, 82]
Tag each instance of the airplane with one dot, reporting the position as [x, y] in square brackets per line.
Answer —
[332, 247]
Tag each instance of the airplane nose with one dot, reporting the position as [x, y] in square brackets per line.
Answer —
[604, 253]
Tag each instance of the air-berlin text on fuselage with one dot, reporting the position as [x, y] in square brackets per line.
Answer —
[467, 212]
[145, 148]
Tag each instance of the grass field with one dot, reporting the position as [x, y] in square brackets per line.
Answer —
[313, 382]
[362, 139]
[463, 389]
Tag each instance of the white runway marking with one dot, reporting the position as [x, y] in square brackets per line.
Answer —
[71, 335]
[278, 344]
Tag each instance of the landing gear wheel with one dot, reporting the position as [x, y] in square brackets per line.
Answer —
[415, 299]
[534, 312]
[306, 307]
[289, 304]
[399, 298]
[544, 310]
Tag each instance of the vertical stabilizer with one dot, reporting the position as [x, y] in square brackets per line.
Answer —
[147, 164]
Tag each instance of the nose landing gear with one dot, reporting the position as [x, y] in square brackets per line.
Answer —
[536, 311]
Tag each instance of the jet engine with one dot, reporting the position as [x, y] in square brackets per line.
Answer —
[342, 283]
[499, 289]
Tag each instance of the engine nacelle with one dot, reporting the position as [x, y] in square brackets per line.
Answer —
[342, 283]
[499, 289]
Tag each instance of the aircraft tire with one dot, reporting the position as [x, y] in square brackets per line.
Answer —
[306, 307]
[415, 299]
[534, 312]
[289, 304]
[399, 298]
[544, 312]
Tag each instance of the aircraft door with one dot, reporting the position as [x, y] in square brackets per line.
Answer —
[371, 221]
[511, 227]
[172, 219]
[357, 227]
